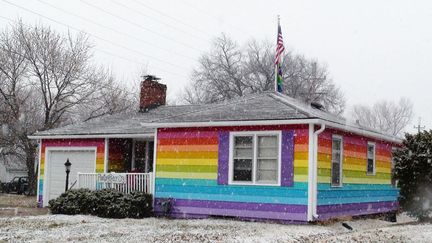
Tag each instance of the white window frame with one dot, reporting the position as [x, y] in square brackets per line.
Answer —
[340, 138]
[254, 134]
[374, 158]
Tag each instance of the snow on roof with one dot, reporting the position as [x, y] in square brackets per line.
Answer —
[264, 106]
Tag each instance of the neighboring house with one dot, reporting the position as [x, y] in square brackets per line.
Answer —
[264, 156]
[10, 168]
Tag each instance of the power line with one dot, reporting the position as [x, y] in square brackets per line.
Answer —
[140, 26]
[170, 17]
[115, 30]
[110, 54]
[203, 12]
[95, 36]
[157, 20]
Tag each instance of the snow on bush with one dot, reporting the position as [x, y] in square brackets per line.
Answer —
[106, 203]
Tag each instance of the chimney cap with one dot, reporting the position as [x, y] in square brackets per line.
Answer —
[150, 78]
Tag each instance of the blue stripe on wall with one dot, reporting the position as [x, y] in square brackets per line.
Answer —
[342, 200]
[356, 193]
[199, 189]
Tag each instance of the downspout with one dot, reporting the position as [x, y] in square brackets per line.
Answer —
[315, 171]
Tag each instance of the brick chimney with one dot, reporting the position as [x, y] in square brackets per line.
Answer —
[153, 93]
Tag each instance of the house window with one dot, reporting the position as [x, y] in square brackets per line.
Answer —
[336, 169]
[255, 158]
[371, 158]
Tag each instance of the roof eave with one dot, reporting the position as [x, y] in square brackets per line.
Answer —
[345, 127]
[74, 136]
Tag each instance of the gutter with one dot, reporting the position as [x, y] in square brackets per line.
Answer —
[228, 123]
[315, 171]
[142, 135]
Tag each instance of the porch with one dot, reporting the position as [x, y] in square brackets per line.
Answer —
[128, 167]
[123, 182]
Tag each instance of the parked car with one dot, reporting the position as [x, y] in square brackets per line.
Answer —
[19, 185]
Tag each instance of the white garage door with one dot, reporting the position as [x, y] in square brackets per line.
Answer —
[82, 161]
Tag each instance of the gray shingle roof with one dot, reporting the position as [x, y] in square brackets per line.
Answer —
[255, 107]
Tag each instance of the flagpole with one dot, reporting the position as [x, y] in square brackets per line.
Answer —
[276, 66]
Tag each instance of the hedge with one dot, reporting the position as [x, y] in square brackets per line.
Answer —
[106, 203]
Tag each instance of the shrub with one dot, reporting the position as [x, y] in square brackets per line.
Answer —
[413, 169]
[80, 201]
[140, 205]
[106, 203]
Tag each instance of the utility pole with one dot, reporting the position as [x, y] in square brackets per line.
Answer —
[419, 127]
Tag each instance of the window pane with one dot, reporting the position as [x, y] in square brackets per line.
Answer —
[267, 141]
[336, 144]
[336, 156]
[242, 170]
[267, 170]
[267, 152]
[243, 141]
[335, 174]
[243, 147]
[370, 151]
[336, 162]
[243, 153]
[370, 166]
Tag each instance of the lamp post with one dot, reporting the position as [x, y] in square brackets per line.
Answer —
[68, 167]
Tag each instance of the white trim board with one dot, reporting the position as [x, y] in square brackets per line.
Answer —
[141, 135]
[316, 121]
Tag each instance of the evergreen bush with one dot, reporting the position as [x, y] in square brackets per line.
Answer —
[106, 203]
[413, 170]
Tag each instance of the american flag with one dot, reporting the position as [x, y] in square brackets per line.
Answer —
[280, 46]
[278, 69]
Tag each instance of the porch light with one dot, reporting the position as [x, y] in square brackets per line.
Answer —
[67, 165]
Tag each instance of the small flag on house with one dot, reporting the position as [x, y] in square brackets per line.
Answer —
[279, 50]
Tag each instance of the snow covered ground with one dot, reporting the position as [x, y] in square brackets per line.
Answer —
[57, 228]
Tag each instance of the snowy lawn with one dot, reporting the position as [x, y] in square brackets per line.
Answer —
[14, 200]
[56, 228]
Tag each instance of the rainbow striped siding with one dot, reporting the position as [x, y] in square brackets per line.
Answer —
[187, 171]
[360, 193]
[98, 143]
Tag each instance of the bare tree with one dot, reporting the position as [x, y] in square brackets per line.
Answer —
[387, 116]
[229, 70]
[111, 98]
[48, 80]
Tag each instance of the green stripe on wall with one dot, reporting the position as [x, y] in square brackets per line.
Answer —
[186, 168]
[356, 174]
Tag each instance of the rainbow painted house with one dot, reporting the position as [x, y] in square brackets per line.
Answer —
[260, 157]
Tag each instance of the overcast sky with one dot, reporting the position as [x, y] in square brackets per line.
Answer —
[374, 50]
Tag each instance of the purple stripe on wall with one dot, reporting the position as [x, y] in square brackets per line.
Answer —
[223, 158]
[287, 157]
[353, 209]
[237, 209]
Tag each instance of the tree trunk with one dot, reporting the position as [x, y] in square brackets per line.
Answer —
[30, 151]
